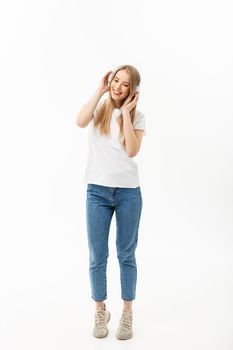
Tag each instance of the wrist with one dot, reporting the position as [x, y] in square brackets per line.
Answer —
[99, 92]
[125, 112]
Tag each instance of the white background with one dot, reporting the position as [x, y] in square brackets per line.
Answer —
[53, 55]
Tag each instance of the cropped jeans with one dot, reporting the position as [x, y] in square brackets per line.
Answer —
[101, 203]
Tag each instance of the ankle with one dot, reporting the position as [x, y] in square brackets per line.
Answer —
[100, 306]
[127, 306]
[128, 310]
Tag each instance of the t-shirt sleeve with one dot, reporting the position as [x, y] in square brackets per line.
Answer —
[140, 122]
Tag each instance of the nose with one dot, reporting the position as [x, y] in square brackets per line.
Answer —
[117, 87]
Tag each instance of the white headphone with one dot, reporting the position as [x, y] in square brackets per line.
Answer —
[137, 89]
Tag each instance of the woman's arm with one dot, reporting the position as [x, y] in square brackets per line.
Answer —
[133, 138]
[85, 115]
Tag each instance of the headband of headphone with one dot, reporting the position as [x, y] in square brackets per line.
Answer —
[110, 77]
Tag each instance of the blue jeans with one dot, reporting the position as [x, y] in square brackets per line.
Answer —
[101, 202]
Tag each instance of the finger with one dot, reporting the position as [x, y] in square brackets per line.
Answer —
[107, 75]
[109, 72]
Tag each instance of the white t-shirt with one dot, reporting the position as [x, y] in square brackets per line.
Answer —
[108, 163]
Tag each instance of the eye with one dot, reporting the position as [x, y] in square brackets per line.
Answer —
[116, 80]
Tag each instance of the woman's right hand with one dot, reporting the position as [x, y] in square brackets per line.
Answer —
[104, 85]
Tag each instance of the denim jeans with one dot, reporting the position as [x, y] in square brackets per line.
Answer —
[101, 203]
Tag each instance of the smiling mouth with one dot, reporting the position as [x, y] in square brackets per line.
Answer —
[116, 93]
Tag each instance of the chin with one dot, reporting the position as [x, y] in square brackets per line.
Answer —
[115, 98]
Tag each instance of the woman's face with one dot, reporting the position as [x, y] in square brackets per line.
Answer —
[120, 86]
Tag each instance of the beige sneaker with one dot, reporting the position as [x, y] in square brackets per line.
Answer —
[124, 331]
[100, 329]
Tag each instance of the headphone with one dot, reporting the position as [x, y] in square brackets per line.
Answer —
[110, 77]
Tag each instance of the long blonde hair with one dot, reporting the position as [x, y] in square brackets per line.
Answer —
[103, 115]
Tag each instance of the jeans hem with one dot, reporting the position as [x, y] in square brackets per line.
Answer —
[99, 300]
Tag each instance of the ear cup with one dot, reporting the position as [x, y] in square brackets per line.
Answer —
[110, 78]
[137, 89]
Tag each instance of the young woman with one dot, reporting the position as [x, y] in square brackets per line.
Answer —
[116, 128]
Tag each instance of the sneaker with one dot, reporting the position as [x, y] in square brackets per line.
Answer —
[100, 329]
[124, 331]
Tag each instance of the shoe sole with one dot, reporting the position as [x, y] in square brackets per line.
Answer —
[124, 338]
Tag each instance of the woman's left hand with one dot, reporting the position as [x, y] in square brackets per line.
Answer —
[130, 103]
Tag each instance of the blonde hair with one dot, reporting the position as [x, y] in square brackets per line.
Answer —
[103, 115]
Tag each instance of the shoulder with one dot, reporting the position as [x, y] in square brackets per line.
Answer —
[139, 116]
[100, 103]
[140, 121]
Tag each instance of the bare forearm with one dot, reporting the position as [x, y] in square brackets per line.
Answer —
[86, 113]
[131, 141]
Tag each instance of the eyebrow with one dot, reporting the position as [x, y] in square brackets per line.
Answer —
[123, 81]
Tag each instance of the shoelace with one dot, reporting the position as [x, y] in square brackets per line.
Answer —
[99, 318]
[126, 320]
